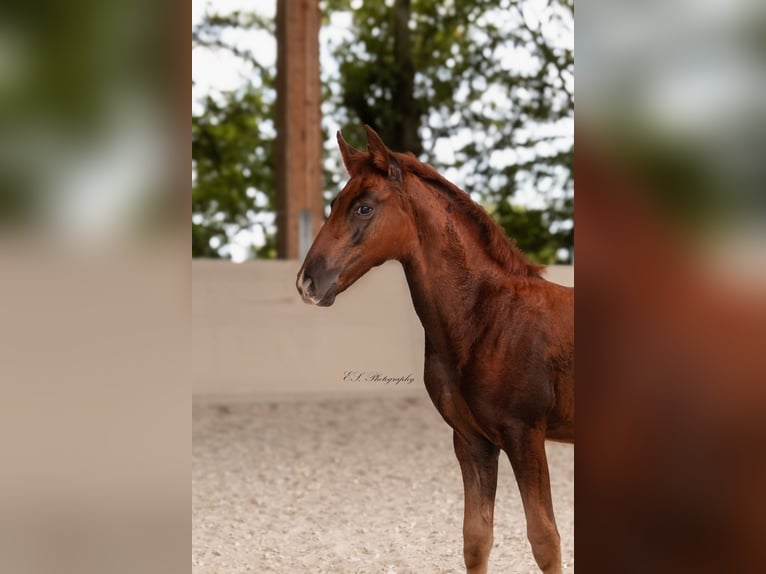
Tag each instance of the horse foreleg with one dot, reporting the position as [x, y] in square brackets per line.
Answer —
[478, 464]
[526, 449]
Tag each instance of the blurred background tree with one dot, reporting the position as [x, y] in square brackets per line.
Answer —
[481, 89]
[233, 137]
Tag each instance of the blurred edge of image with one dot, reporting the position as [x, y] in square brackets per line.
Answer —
[671, 277]
[94, 287]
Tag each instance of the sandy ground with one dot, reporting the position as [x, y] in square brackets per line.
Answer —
[366, 485]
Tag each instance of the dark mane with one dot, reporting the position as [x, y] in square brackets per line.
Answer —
[499, 246]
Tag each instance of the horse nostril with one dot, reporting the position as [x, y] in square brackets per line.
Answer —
[305, 285]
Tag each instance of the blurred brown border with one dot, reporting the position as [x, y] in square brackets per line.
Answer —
[670, 465]
[95, 424]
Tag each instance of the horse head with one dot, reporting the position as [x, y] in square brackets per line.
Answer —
[368, 224]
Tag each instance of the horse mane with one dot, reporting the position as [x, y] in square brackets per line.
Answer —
[502, 249]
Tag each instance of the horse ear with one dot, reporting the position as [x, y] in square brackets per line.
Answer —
[382, 158]
[349, 154]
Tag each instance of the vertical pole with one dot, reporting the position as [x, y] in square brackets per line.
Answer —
[300, 207]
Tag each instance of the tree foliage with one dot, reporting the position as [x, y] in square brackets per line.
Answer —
[481, 89]
[233, 147]
[486, 77]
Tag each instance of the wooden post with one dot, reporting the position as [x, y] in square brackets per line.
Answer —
[300, 207]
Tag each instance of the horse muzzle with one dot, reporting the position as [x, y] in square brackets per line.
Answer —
[316, 292]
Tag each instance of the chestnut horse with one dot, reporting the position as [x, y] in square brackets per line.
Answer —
[499, 339]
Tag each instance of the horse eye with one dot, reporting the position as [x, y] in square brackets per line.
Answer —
[363, 211]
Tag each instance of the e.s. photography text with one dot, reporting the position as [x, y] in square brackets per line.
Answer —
[376, 377]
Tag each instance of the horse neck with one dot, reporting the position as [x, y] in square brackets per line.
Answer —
[447, 270]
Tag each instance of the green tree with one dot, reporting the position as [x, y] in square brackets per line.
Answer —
[233, 138]
[493, 73]
[489, 81]
[233, 170]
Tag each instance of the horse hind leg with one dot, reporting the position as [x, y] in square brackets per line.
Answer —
[526, 450]
[478, 464]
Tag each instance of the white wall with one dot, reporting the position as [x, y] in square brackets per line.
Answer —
[252, 334]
